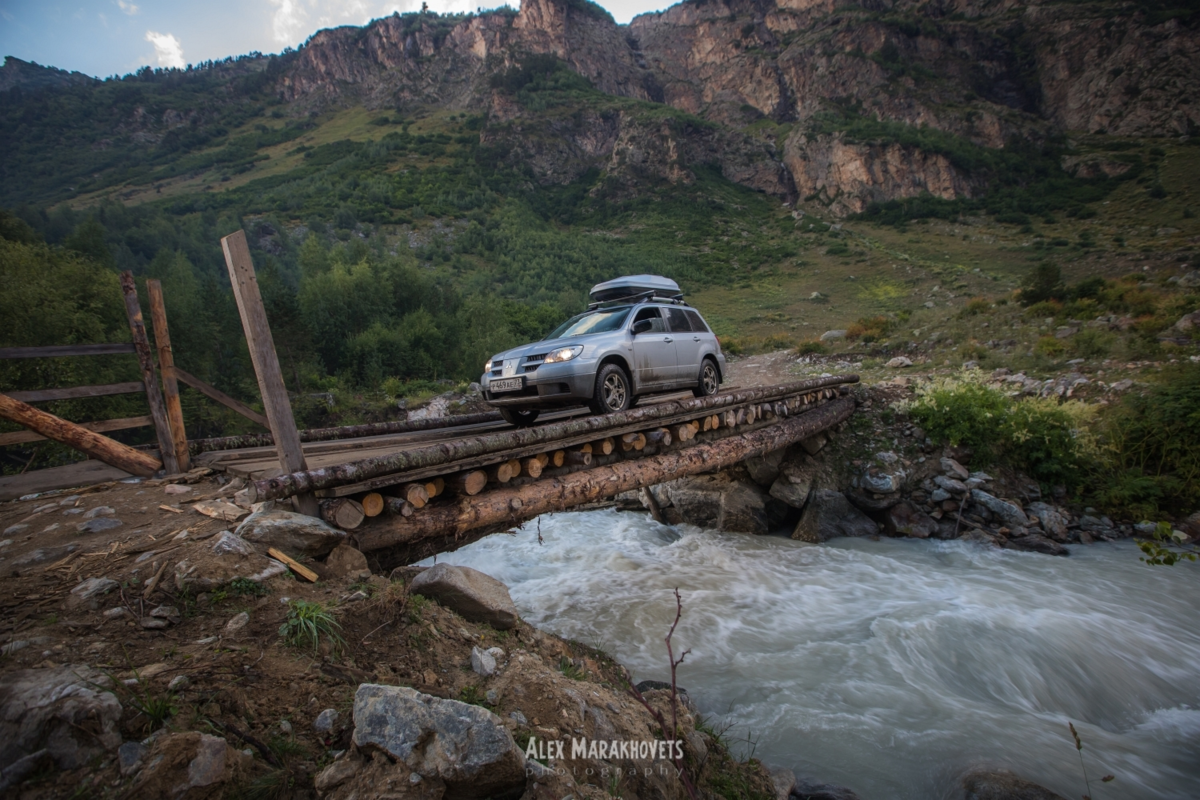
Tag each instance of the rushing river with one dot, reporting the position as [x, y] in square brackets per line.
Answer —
[891, 666]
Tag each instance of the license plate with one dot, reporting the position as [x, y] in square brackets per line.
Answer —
[506, 385]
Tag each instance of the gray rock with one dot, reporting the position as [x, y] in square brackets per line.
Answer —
[180, 762]
[882, 481]
[152, 624]
[905, 519]
[291, 532]
[764, 469]
[483, 662]
[822, 791]
[954, 469]
[464, 745]
[715, 501]
[872, 501]
[954, 487]
[784, 781]
[129, 756]
[99, 524]
[828, 514]
[1036, 543]
[336, 774]
[1053, 521]
[828, 336]
[93, 587]
[813, 444]
[213, 564]
[1003, 785]
[1010, 514]
[15, 530]
[165, 612]
[899, 362]
[14, 646]
[179, 683]
[475, 596]
[325, 721]
[61, 709]
[939, 495]
[235, 624]
[345, 561]
[100, 511]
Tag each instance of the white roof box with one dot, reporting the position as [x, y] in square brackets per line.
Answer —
[633, 285]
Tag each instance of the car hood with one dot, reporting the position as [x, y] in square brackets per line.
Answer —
[536, 348]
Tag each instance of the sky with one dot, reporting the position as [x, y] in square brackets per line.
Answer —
[115, 37]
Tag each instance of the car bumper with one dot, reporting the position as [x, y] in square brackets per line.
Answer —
[550, 385]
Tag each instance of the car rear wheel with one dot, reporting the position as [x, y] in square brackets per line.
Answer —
[612, 391]
[710, 380]
[522, 419]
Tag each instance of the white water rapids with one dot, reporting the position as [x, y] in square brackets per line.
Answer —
[890, 666]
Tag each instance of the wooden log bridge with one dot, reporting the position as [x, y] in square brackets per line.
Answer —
[490, 449]
[396, 540]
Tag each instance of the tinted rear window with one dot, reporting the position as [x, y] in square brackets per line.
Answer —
[679, 321]
[697, 323]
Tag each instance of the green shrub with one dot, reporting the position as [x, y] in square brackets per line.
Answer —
[307, 623]
[1042, 284]
[1049, 346]
[869, 329]
[1092, 343]
[810, 347]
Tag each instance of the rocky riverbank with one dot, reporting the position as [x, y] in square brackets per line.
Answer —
[886, 477]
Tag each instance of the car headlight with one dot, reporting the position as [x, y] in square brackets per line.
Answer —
[488, 366]
[563, 354]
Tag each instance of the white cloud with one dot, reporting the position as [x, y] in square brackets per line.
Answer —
[167, 49]
[128, 8]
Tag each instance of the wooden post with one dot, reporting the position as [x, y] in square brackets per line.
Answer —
[78, 437]
[166, 363]
[266, 362]
[154, 398]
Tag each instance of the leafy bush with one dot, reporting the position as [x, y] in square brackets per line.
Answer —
[810, 347]
[1049, 441]
[869, 329]
[1152, 442]
[1092, 343]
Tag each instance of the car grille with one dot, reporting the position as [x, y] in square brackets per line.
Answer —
[534, 361]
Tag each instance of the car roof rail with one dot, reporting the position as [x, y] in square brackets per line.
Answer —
[640, 297]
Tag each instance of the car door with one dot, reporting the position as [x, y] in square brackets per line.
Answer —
[707, 340]
[687, 346]
[653, 351]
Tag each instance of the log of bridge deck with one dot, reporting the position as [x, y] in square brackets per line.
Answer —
[549, 435]
[266, 362]
[451, 526]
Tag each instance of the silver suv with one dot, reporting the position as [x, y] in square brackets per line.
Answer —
[606, 358]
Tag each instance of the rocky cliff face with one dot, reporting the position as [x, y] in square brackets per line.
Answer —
[757, 75]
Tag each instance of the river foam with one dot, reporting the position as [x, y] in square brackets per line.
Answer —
[890, 666]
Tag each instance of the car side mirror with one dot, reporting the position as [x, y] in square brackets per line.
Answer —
[642, 326]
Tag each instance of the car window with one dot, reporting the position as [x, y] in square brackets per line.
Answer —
[697, 322]
[601, 321]
[678, 320]
[652, 313]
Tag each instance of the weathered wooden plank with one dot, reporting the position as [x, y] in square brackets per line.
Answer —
[69, 476]
[266, 362]
[443, 527]
[356, 472]
[292, 564]
[213, 393]
[166, 363]
[76, 392]
[63, 350]
[97, 446]
[154, 398]
[102, 426]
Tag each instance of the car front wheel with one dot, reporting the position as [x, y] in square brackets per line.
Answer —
[522, 419]
[612, 391]
[710, 380]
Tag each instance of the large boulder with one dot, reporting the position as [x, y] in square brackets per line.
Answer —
[804, 790]
[793, 485]
[1003, 785]
[466, 746]
[1054, 522]
[291, 532]
[828, 514]
[191, 766]
[714, 501]
[65, 710]
[1036, 543]
[905, 519]
[1009, 513]
[764, 469]
[215, 562]
[469, 592]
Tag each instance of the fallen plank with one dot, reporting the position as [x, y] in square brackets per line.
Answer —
[70, 476]
[294, 565]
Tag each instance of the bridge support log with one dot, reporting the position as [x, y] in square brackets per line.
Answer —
[403, 540]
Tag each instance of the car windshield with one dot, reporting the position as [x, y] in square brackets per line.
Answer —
[599, 321]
